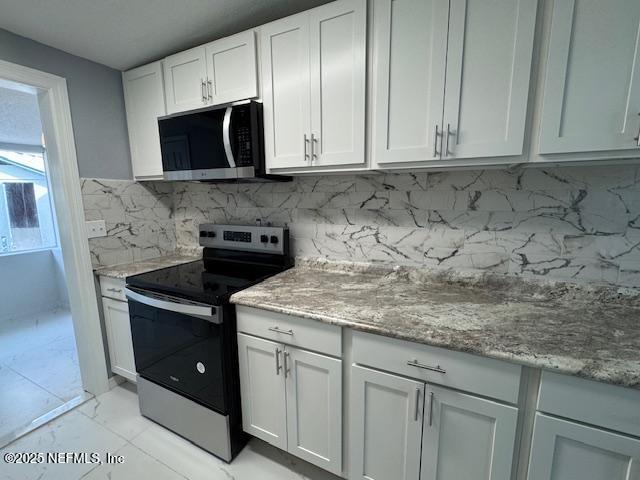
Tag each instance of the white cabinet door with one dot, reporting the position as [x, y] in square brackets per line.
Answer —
[285, 91]
[231, 68]
[338, 85]
[466, 437]
[116, 319]
[386, 426]
[563, 450]
[592, 87]
[314, 408]
[185, 80]
[262, 386]
[144, 101]
[409, 59]
[489, 54]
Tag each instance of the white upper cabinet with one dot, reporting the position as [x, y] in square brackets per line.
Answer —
[488, 71]
[466, 437]
[219, 72]
[338, 82]
[592, 86]
[185, 76]
[231, 68]
[409, 45]
[286, 92]
[451, 78]
[314, 67]
[144, 102]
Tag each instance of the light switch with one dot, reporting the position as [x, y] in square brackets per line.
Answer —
[96, 228]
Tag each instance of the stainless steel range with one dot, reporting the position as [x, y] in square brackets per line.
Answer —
[184, 333]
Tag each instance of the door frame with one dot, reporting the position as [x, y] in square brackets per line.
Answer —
[64, 177]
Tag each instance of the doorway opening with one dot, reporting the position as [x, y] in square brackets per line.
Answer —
[40, 375]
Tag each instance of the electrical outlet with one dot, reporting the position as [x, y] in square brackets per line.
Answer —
[96, 228]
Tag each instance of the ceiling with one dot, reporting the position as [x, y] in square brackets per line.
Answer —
[127, 33]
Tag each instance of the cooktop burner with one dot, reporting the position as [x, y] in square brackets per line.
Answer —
[234, 257]
[204, 280]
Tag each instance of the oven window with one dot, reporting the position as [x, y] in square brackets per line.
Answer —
[181, 352]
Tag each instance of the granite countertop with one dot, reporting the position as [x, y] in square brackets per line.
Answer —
[591, 332]
[135, 268]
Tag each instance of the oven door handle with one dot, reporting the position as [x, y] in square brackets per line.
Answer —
[172, 304]
[226, 137]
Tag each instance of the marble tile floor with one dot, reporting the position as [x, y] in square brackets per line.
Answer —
[39, 370]
[111, 423]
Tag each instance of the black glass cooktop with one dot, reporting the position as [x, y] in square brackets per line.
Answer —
[211, 282]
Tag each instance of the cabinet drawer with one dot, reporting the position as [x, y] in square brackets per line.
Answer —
[299, 332]
[471, 373]
[112, 288]
[599, 404]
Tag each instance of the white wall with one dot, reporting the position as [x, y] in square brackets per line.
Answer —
[30, 283]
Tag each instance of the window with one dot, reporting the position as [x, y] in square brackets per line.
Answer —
[26, 215]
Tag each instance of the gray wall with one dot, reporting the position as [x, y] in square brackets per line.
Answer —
[97, 104]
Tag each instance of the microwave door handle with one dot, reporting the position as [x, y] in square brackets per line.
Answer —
[203, 311]
[226, 137]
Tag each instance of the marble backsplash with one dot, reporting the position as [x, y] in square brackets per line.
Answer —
[574, 223]
[138, 216]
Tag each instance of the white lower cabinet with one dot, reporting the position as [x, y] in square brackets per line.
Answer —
[116, 319]
[466, 437]
[264, 408]
[403, 429]
[292, 399]
[386, 426]
[564, 450]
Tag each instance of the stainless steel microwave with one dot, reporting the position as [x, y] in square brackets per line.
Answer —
[218, 144]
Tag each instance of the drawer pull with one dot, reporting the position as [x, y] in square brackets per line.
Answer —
[278, 330]
[114, 290]
[415, 363]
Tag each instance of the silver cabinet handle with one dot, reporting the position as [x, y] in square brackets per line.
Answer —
[279, 330]
[430, 408]
[314, 141]
[637, 139]
[415, 414]
[202, 91]
[114, 290]
[435, 142]
[415, 363]
[446, 151]
[286, 364]
[306, 141]
[278, 367]
[210, 89]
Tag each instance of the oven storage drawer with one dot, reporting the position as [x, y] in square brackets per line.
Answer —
[471, 373]
[300, 332]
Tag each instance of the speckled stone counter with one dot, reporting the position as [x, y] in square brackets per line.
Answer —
[125, 270]
[592, 332]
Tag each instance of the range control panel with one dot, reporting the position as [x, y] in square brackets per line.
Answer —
[245, 238]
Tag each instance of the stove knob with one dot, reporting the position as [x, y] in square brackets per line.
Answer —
[264, 238]
[274, 239]
[211, 234]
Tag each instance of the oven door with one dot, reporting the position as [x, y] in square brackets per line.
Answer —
[179, 345]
